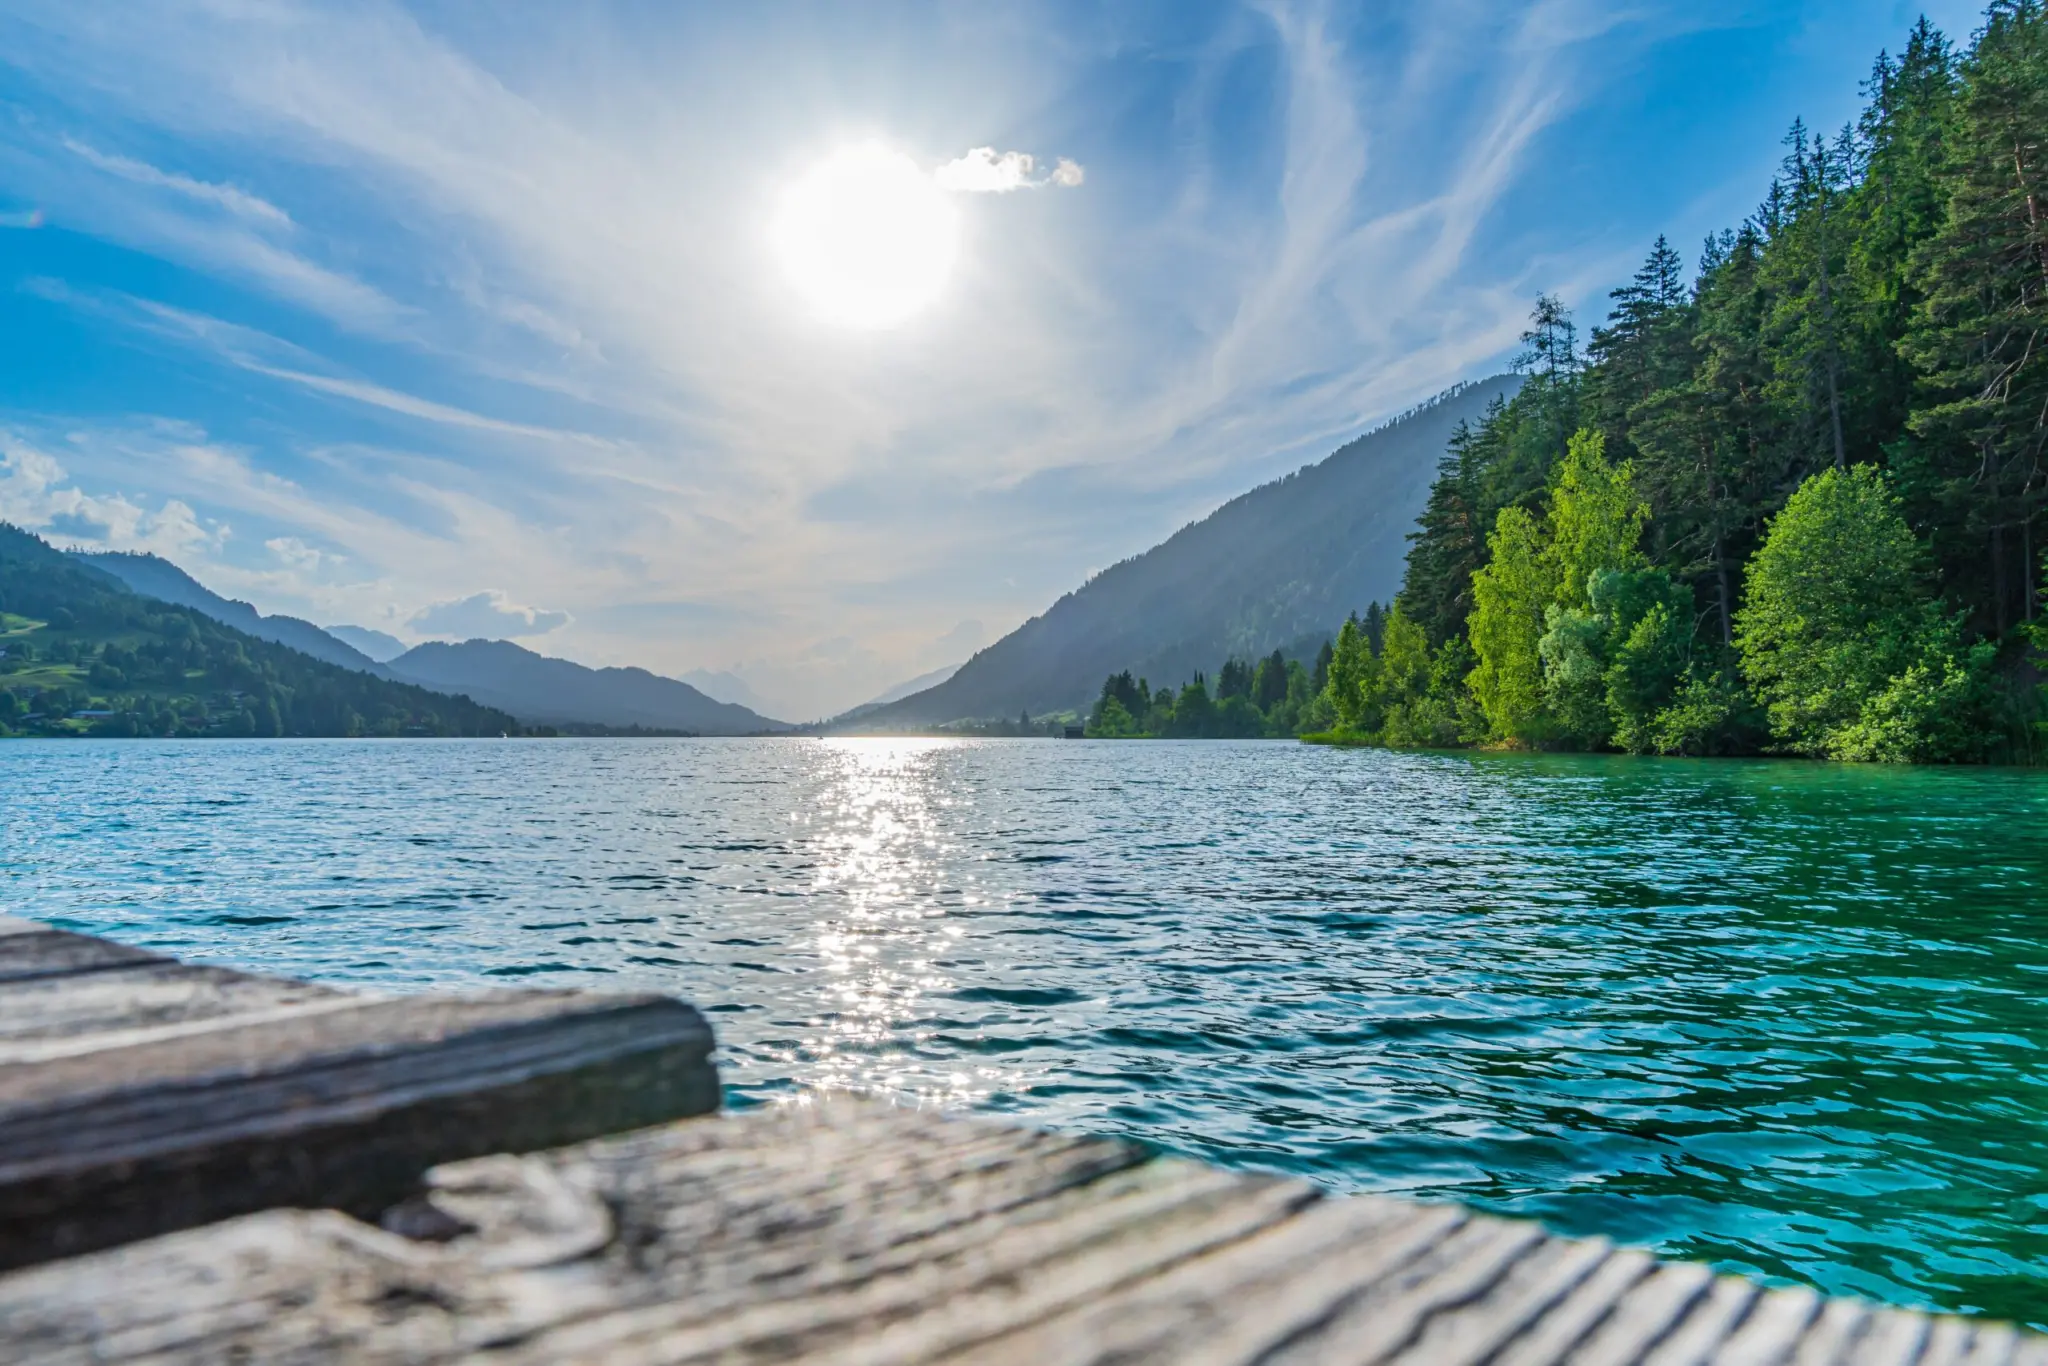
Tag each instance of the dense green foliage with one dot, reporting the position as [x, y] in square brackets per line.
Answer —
[1272, 697]
[80, 654]
[1794, 506]
[1841, 636]
[1797, 504]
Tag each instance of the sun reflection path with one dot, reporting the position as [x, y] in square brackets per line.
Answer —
[888, 891]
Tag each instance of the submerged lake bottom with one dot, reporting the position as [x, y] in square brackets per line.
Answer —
[1782, 1017]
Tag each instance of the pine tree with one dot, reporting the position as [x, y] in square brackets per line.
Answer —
[1805, 265]
[1900, 204]
[1449, 540]
[1982, 345]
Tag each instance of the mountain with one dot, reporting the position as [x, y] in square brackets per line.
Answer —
[915, 685]
[378, 646]
[154, 577]
[496, 673]
[1283, 563]
[723, 686]
[82, 653]
[895, 694]
[543, 690]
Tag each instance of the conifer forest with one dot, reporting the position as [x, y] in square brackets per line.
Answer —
[1788, 501]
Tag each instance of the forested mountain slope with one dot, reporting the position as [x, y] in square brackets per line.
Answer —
[1793, 501]
[539, 689]
[1283, 564]
[534, 688]
[155, 577]
[80, 653]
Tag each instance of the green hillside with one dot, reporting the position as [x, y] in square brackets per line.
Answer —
[81, 655]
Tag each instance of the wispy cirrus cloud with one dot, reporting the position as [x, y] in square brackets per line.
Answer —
[237, 202]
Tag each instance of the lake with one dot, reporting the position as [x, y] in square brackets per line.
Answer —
[1783, 1017]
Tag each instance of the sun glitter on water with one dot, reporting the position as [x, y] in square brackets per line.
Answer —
[866, 237]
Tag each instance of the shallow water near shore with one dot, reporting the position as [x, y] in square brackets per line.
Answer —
[1783, 1017]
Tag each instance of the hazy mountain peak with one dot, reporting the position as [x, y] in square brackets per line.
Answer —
[544, 690]
[1276, 568]
[376, 644]
[725, 686]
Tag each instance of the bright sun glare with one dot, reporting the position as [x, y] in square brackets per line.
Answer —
[866, 237]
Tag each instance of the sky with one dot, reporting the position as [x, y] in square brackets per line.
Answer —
[481, 319]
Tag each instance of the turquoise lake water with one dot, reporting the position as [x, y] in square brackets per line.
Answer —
[1784, 1017]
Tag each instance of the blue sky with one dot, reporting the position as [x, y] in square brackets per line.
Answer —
[452, 319]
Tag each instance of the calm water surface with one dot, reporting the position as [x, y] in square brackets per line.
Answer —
[1784, 1017]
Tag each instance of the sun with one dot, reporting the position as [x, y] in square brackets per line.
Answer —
[866, 237]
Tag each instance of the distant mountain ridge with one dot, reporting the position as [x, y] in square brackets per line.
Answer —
[929, 679]
[542, 690]
[376, 644]
[86, 653]
[722, 685]
[1269, 569]
[155, 577]
[537, 689]
[921, 683]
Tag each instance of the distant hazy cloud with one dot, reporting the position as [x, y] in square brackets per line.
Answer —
[490, 615]
[296, 553]
[984, 170]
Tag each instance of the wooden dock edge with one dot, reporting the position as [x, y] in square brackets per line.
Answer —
[852, 1233]
[139, 1095]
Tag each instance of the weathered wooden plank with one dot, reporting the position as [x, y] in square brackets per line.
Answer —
[1516, 1303]
[1296, 1271]
[1772, 1328]
[29, 951]
[1708, 1322]
[831, 1277]
[854, 1234]
[1644, 1315]
[1834, 1331]
[1572, 1320]
[47, 1015]
[324, 1100]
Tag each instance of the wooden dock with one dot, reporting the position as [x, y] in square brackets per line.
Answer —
[841, 1231]
[140, 1095]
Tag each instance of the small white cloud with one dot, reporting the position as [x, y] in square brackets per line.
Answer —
[177, 527]
[984, 170]
[488, 615]
[298, 555]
